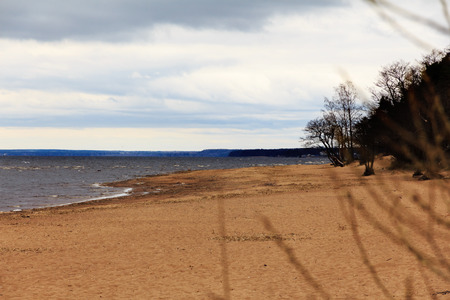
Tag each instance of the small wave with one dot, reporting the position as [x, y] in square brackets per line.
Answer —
[23, 168]
[15, 207]
[125, 192]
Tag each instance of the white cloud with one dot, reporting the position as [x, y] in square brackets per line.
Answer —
[175, 76]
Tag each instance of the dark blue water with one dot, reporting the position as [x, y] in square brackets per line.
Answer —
[35, 182]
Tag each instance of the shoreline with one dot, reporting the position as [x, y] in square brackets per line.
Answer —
[16, 198]
[125, 192]
[166, 239]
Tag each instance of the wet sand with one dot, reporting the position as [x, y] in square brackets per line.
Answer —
[255, 233]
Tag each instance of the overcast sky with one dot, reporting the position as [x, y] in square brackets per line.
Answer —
[187, 74]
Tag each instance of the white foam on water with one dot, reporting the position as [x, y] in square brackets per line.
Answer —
[126, 192]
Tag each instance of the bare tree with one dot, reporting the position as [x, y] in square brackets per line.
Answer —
[347, 113]
[435, 56]
[394, 80]
[322, 132]
[335, 130]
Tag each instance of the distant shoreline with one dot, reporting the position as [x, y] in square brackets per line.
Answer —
[282, 152]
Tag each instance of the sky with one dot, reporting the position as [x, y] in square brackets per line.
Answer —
[189, 74]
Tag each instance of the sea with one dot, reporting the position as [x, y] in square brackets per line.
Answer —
[28, 182]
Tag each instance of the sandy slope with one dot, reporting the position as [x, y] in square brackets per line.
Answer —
[168, 241]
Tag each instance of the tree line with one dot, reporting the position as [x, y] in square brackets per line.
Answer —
[407, 117]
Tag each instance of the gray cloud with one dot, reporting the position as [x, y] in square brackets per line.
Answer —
[150, 121]
[118, 19]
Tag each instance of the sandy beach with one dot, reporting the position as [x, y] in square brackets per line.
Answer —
[283, 232]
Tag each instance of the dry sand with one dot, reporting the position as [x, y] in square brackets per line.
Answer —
[205, 235]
